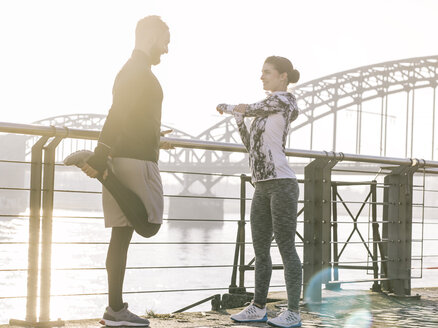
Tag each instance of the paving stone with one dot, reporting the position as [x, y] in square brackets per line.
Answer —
[384, 311]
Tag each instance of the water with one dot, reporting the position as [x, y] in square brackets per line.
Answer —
[91, 279]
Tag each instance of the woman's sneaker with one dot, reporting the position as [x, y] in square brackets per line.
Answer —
[122, 318]
[251, 313]
[287, 319]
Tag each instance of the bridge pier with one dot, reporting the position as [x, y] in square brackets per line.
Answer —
[188, 205]
[196, 208]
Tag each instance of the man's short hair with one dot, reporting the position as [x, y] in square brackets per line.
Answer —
[150, 25]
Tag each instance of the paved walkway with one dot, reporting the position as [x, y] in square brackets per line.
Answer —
[345, 308]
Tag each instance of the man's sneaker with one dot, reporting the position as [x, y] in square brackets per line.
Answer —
[287, 319]
[122, 318]
[251, 313]
[78, 158]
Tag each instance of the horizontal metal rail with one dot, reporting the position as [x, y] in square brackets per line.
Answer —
[65, 132]
[356, 281]
[197, 220]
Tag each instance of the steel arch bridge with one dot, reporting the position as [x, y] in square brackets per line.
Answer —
[386, 109]
[328, 97]
[346, 111]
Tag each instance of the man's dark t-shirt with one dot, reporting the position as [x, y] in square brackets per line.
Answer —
[132, 128]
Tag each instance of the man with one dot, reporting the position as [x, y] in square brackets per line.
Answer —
[131, 136]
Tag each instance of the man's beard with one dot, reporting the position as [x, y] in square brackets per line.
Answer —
[155, 55]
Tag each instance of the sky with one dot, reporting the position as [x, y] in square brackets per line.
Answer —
[60, 57]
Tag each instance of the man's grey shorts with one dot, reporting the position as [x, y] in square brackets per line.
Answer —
[143, 178]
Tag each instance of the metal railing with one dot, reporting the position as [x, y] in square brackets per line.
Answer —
[388, 250]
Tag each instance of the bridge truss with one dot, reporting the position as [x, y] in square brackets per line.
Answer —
[365, 95]
[386, 109]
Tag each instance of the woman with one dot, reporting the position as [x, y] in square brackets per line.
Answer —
[274, 204]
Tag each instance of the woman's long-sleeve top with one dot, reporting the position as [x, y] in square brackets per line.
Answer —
[266, 138]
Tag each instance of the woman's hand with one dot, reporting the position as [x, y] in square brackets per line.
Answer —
[229, 109]
[166, 145]
[241, 108]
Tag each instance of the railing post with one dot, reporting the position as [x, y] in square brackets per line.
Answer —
[317, 207]
[334, 224]
[46, 236]
[37, 176]
[398, 232]
[239, 252]
[376, 237]
[242, 236]
[34, 228]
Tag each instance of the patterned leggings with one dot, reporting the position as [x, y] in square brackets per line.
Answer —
[274, 211]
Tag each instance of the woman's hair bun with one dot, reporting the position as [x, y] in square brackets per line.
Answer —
[293, 76]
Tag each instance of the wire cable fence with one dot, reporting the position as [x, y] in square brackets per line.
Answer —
[353, 223]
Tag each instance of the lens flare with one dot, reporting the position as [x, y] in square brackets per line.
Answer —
[350, 304]
[312, 292]
[359, 319]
